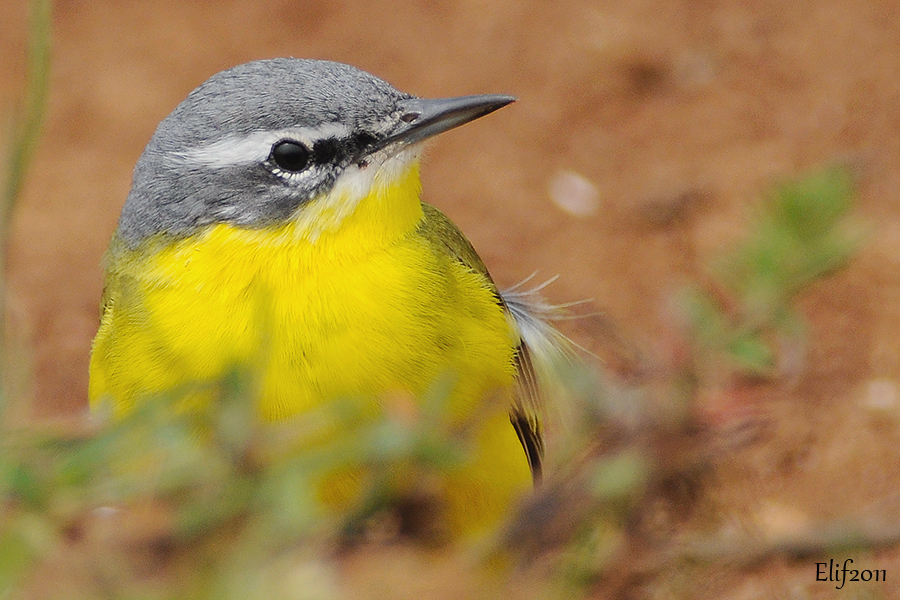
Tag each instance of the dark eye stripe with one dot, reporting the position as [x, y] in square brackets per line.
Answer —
[326, 151]
[360, 142]
[333, 150]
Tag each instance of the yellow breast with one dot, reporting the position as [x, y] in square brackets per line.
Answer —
[358, 310]
[363, 310]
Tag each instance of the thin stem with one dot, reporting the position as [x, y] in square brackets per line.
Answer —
[26, 131]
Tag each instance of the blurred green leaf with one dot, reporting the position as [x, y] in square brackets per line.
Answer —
[801, 233]
[15, 557]
[620, 477]
[752, 354]
[811, 207]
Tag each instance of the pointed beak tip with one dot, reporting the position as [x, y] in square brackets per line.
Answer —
[494, 101]
[423, 118]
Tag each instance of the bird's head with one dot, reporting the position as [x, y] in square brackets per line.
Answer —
[260, 143]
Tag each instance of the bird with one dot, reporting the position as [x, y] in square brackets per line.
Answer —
[275, 221]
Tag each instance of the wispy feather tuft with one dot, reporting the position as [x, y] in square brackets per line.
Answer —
[543, 358]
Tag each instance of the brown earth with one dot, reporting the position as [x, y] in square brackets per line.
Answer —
[680, 113]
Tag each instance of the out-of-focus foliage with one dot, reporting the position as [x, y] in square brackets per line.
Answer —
[231, 497]
[801, 233]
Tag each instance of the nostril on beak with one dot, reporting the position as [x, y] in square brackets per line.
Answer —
[410, 117]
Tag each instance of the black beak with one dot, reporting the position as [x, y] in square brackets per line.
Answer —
[422, 118]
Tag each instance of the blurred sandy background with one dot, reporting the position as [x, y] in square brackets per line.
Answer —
[644, 133]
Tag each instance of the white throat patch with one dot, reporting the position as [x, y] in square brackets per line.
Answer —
[326, 213]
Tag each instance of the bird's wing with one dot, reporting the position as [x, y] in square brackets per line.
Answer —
[539, 342]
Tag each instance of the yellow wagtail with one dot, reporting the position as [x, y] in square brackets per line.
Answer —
[274, 222]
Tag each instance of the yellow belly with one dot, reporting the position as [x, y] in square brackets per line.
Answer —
[353, 315]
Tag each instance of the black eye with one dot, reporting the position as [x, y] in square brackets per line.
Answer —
[290, 156]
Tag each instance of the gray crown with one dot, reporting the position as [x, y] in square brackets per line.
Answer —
[173, 193]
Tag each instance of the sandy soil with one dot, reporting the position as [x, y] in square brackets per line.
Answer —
[679, 113]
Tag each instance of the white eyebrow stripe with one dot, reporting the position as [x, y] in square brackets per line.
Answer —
[255, 146]
[231, 150]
